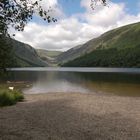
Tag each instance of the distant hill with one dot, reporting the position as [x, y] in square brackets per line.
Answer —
[46, 53]
[69, 55]
[49, 56]
[24, 54]
[117, 48]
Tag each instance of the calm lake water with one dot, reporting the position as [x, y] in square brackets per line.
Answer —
[108, 81]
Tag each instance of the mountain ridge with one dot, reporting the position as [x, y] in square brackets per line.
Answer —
[117, 40]
[24, 54]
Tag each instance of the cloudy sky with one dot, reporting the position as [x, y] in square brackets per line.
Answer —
[77, 22]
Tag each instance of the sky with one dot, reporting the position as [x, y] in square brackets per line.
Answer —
[77, 23]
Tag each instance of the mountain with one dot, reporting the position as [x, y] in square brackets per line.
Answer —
[70, 54]
[117, 48]
[49, 56]
[24, 54]
[47, 53]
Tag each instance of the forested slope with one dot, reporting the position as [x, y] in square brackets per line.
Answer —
[117, 48]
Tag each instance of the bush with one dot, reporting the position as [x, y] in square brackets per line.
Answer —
[18, 96]
[8, 97]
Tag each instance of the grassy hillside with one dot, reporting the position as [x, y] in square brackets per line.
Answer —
[46, 53]
[69, 55]
[49, 56]
[117, 48]
[24, 55]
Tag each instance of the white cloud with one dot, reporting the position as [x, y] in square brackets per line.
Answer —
[56, 9]
[78, 28]
[105, 16]
[60, 36]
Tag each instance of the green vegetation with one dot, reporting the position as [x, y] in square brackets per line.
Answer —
[16, 54]
[53, 53]
[6, 54]
[70, 54]
[116, 48]
[46, 53]
[8, 97]
[113, 57]
[49, 56]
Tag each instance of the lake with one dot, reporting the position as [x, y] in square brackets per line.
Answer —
[107, 81]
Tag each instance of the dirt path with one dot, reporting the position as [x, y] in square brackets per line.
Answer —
[72, 117]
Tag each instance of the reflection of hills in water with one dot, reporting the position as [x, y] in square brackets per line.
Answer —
[56, 82]
[111, 77]
[44, 82]
[116, 83]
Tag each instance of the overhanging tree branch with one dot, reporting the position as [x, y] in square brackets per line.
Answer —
[17, 13]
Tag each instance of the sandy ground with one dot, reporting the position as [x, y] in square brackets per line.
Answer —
[74, 116]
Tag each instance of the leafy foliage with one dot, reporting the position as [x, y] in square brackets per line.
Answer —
[7, 58]
[94, 2]
[18, 12]
[8, 97]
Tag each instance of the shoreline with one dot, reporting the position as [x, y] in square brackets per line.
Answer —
[71, 116]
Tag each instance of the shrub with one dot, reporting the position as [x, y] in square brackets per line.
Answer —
[8, 97]
[18, 96]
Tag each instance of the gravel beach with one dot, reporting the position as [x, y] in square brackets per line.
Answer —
[71, 116]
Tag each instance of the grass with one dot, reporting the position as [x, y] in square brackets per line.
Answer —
[8, 97]
[44, 53]
[117, 48]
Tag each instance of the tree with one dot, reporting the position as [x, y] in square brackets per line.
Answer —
[94, 2]
[18, 12]
[7, 58]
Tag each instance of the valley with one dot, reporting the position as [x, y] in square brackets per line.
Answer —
[116, 48]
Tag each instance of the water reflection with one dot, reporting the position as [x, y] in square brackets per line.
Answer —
[96, 83]
[55, 82]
